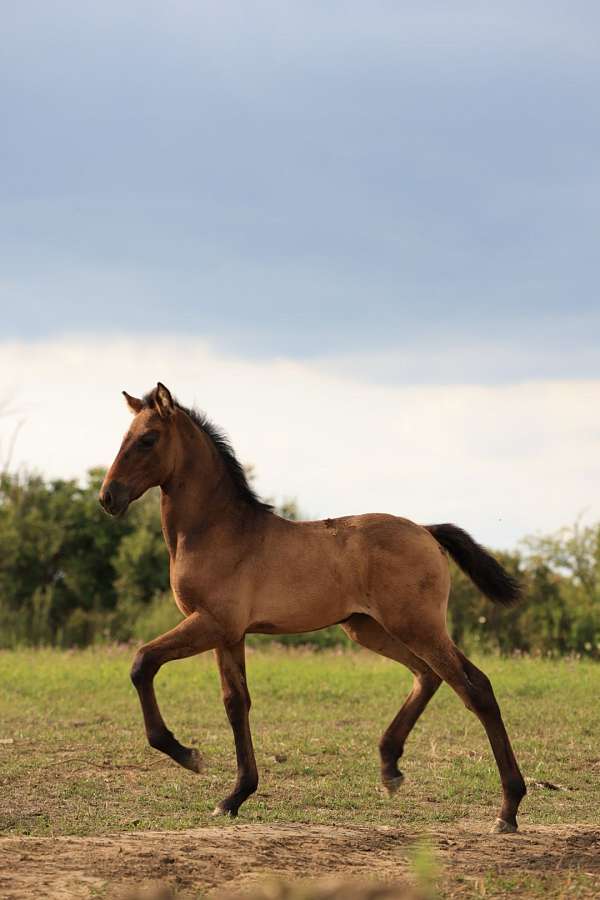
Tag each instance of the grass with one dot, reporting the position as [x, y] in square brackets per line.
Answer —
[78, 762]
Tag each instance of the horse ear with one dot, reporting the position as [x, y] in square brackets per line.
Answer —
[164, 402]
[133, 403]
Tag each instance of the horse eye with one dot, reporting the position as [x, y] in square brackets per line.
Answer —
[148, 440]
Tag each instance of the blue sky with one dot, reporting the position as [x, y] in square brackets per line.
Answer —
[308, 180]
[358, 198]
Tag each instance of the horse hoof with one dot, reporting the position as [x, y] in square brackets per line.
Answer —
[221, 810]
[194, 761]
[502, 827]
[391, 785]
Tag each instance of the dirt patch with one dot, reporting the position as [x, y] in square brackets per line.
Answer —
[208, 860]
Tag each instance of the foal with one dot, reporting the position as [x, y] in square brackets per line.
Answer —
[236, 568]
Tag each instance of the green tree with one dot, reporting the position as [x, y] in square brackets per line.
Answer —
[572, 556]
[56, 549]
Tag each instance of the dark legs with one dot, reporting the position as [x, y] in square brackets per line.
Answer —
[475, 690]
[236, 698]
[426, 650]
[188, 638]
[391, 745]
[367, 632]
[192, 636]
[433, 658]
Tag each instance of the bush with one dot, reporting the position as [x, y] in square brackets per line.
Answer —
[321, 640]
[156, 617]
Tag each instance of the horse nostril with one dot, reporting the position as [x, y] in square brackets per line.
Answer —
[115, 498]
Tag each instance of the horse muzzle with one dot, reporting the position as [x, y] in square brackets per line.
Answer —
[114, 498]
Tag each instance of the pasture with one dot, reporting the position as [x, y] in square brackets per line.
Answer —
[75, 769]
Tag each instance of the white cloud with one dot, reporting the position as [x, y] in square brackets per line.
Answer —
[501, 461]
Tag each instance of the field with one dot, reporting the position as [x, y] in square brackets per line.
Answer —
[86, 807]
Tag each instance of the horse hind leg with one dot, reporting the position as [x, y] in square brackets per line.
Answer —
[368, 633]
[478, 696]
[475, 690]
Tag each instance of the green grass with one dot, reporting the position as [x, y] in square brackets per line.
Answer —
[79, 764]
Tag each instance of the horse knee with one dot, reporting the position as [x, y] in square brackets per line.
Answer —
[144, 668]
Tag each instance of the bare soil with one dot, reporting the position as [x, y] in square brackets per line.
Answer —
[214, 859]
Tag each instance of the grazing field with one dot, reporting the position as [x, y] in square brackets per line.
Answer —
[74, 762]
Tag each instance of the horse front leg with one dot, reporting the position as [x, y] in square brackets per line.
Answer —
[232, 668]
[192, 636]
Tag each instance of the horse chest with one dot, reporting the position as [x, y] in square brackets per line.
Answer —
[193, 584]
[186, 585]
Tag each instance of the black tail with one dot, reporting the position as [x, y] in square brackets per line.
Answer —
[483, 569]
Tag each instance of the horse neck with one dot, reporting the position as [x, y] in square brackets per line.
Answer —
[199, 498]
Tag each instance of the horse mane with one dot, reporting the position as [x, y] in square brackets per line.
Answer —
[223, 446]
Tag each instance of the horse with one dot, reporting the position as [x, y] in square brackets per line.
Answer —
[237, 568]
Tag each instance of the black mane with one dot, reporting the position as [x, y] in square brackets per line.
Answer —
[223, 446]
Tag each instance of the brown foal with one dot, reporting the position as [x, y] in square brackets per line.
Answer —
[238, 568]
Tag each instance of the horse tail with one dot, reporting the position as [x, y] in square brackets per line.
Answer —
[483, 569]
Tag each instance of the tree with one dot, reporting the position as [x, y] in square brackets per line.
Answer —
[56, 550]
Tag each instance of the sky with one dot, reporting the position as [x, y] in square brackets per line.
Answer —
[363, 237]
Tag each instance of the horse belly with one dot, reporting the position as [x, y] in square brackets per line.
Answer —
[298, 614]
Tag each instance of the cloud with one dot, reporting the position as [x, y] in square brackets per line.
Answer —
[501, 461]
[285, 179]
